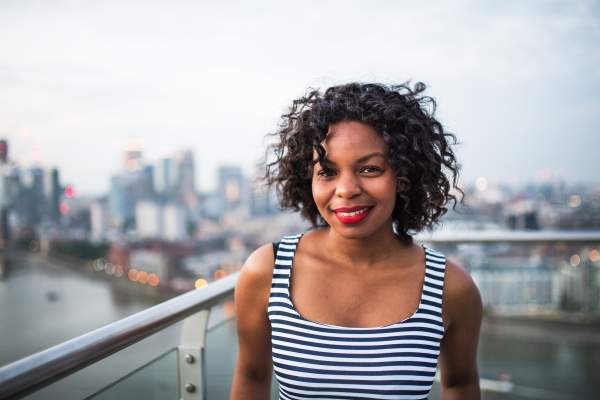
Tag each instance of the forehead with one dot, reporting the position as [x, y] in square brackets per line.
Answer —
[354, 137]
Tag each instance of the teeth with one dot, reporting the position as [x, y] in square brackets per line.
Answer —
[352, 214]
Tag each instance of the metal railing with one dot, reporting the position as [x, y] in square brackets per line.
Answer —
[35, 372]
[509, 236]
[521, 272]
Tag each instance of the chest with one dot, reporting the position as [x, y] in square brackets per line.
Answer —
[334, 295]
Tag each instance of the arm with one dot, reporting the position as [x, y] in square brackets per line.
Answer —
[461, 314]
[252, 378]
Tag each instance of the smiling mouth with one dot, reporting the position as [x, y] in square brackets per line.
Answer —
[352, 215]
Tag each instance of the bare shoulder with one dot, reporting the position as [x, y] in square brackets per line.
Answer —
[257, 271]
[457, 280]
[460, 298]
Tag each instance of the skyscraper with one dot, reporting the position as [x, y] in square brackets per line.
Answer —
[3, 151]
[230, 185]
[116, 203]
[162, 175]
[182, 176]
[52, 191]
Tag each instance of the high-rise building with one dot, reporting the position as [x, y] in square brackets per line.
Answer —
[52, 191]
[230, 184]
[263, 200]
[3, 151]
[174, 222]
[149, 219]
[182, 176]
[132, 155]
[116, 203]
[31, 199]
[135, 183]
[147, 181]
[98, 219]
[162, 183]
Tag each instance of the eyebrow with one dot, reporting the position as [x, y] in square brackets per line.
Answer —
[360, 160]
[369, 156]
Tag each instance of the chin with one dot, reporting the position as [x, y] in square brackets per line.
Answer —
[361, 230]
[354, 232]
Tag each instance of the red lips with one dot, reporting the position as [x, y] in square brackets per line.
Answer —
[357, 214]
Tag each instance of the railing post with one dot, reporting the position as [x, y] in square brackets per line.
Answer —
[190, 357]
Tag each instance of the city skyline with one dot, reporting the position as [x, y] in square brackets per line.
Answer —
[516, 82]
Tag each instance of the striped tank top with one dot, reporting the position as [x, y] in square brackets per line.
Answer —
[318, 361]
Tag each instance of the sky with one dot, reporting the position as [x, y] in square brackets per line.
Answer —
[518, 82]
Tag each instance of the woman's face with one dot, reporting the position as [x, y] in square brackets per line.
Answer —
[356, 190]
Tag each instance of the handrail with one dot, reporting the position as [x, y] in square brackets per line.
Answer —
[509, 236]
[32, 373]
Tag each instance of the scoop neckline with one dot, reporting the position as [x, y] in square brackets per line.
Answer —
[289, 297]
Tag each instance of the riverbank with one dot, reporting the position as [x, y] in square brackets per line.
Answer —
[86, 269]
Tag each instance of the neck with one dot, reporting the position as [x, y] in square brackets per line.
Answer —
[363, 252]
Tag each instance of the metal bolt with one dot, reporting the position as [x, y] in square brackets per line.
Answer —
[189, 358]
[190, 387]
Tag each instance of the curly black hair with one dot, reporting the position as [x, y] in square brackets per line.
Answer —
[420, 151]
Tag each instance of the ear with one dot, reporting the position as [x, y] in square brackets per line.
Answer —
[398, 186]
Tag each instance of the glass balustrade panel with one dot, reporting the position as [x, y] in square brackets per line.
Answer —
[156, 380]
[94, 379]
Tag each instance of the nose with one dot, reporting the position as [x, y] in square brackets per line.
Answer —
[348, 186]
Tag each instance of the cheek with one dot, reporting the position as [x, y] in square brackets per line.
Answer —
[316, 192]
[320, 194]
[386, 193]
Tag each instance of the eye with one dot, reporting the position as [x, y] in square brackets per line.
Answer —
[326, 172]
[371, 169]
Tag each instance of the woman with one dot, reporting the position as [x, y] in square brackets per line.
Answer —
[355, 309]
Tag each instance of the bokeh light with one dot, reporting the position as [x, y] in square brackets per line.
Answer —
[37, 143]
[546, 174]
[33, 245]
[574, 201]
[118, 270]
[220, 274]
[36, 155]
[101, 263]
[200, 283]
[481, 183]
[133, 274]
[63, 208]
[110, 269]
[2, 148]
[132, 165]
[142, 277]
[69, 191]
[575, 260]
[594, 255]
[153, 279]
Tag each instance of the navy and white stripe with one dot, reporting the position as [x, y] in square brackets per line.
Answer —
[319, 361]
